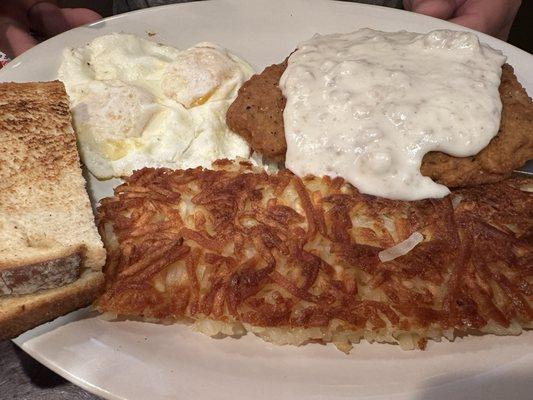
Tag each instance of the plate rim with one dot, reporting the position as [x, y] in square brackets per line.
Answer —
[21, 340]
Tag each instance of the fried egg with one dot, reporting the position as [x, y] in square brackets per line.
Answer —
[137, 103]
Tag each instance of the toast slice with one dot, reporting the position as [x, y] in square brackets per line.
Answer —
[51, 255]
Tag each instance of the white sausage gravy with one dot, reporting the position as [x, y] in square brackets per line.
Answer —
[368, 105]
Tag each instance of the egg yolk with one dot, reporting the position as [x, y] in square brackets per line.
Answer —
[112, 109]
[194, 77]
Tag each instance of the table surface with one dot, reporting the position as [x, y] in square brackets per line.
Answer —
[21, 377]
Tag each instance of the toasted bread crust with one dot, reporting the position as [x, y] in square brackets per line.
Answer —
[37, 142]
[21, 313]
[30, 278]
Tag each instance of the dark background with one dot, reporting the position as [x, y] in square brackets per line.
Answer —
[521, 34]
[23, 378]
[522, 31]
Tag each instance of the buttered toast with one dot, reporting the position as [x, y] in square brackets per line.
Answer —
[50, 252]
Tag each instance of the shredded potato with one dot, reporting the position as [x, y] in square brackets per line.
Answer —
[401, 248]
[293, 261]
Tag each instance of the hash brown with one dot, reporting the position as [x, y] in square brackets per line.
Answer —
[295, 260]
[257, 115]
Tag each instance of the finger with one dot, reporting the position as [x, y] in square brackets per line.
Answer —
[27, 4]
[14, 38]
[494, 17]
[442, 9]
[472, 21]
[80, 16]
[50, 20]
[481, 24]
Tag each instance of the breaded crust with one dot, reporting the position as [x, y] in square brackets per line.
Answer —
[239, 246]
[510, 149]
[257, 115]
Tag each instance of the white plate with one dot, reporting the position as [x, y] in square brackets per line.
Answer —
[133, 360]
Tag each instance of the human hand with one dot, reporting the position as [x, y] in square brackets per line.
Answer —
[494, 17]
[18, 18]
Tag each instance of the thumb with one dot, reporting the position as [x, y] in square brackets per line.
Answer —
[80, 16]
[50, 20]
[442, 9]
[14, 38]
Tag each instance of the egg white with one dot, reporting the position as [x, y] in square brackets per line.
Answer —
[136, 103]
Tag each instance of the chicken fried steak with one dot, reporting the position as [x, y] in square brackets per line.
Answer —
[297, 260]
[257, 115]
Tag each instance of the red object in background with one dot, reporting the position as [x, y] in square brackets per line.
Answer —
[3, 59]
